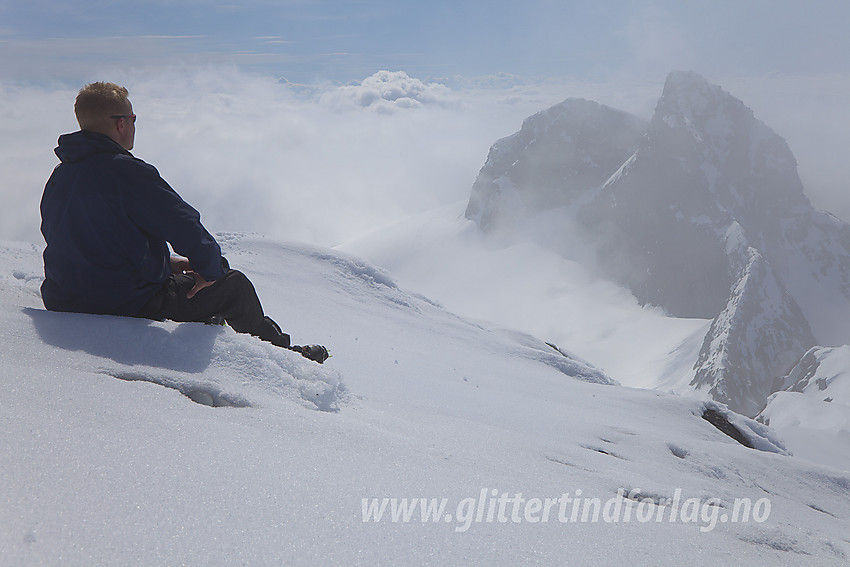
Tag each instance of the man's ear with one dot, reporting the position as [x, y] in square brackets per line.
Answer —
[121, 133]
[113, 130]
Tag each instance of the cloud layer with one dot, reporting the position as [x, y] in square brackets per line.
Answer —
[328, 163]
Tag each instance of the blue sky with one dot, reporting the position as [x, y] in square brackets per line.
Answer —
[311, 40]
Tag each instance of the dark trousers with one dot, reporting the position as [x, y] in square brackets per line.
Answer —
[231, 297]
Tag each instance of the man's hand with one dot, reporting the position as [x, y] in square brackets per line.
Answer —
[180, 265]
[200, 283]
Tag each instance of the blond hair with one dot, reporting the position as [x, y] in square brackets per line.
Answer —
[96, 102]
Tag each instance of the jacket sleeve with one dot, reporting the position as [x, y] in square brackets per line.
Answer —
[158, 210]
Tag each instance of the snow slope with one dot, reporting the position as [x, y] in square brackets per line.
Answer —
[524, 285]
[137, 443]
[812, 411]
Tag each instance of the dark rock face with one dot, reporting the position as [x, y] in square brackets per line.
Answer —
[705, 167]
[722, 423]
[557, 157]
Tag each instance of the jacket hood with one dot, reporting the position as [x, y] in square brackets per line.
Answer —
[82, 144]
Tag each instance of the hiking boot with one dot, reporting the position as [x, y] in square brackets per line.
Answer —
[317, 353]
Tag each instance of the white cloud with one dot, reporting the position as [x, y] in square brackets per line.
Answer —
[386, 91]
[253, 154]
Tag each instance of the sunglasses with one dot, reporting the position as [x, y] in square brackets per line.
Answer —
[130, 116]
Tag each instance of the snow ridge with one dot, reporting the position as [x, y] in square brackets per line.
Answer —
[212, 365]
[737, 344]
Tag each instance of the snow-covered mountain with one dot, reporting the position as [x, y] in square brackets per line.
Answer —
[757, 335]
[128, 441]
[705, 218]
[812, 409]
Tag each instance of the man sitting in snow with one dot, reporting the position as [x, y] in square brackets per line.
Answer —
[108, 217]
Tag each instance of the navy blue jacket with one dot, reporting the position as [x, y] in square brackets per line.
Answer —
[106, 217]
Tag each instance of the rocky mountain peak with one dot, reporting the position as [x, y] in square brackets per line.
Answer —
[557, 157]
[748, 168]
[700, 211]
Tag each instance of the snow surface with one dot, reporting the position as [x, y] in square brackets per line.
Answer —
[812, 413]
[108, 460]
[129, 442]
